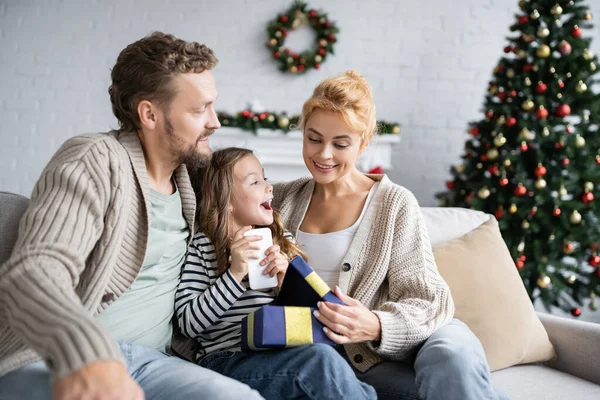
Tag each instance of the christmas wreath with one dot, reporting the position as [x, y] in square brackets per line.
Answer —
[295, 17]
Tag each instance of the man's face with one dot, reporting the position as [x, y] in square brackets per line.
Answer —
[190, 119]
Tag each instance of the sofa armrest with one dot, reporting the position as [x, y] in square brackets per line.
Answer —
[576, 344]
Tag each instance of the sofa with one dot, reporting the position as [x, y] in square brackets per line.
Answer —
[573, 374]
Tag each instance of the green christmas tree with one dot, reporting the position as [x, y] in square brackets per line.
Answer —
[533, 160]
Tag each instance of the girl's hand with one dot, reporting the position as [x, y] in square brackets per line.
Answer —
[276, 263]
[243, 249]
[352, 323]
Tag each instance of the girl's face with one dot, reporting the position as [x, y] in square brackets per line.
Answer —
[330, 148]
[252, 194]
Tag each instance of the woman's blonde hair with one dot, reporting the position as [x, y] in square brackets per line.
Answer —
[214, 191]
[349, 95]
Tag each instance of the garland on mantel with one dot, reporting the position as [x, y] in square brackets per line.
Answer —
[252, 122]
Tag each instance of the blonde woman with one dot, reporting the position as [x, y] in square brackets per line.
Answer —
[366, 237]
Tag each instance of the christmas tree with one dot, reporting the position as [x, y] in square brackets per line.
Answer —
[533, 160]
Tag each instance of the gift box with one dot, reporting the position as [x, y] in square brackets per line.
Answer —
[290, 322]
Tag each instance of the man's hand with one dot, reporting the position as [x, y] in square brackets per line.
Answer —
[101, 380]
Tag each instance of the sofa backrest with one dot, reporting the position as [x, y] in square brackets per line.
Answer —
[12, 207]
[447, 223]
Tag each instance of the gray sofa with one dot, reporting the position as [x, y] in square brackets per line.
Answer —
[574, 375]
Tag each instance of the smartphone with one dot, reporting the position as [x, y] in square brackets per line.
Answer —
[255, 270]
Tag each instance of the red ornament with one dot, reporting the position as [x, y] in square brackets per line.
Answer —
[284, 32]
[284, 18]
[484, 157]
[245, 113]
[576, 32]
[474, 131]
[540, 171]
[523, 258]
[503, 182]
[450, 185]
[507, 49]
[251, 115]
[262, 116]
[321, 51]
[594, 261]
[588, 197]
[300, 67]
[489, 114]
[541, 113]
[598, 160]
[533, 211]
[561, 84]
[328, 24]
[576, 312]
[499, 213]
[569, 248]
[520, 264]
[570, 129]
[564, 48]
[312, 13]
[527, 67]
[378, 171]
[523, 19]
[513, 93]
[331, 37]
[556, 212]
[520, 190]
[277, 54]
[511, 121]
[317, 66]
[541, 87]
[501, 95]
[295, 56]
[563, 110]
[524, 147]
[493, 169]
[287, 51]
[565, 161]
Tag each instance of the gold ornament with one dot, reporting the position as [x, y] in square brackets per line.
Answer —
[270, 118]
[273, 42]
[500, 140]
[546, 131]
[483, 193]
[521, 53]
[562, 191]
[507, 163]
[551, 237]
[501, 120]
[587, 54]
[543, 51]
[283, 122]
[581, 87]
[528, 105]
[395, 129]
[593, 305]
[592, 66]
[479, 165]
[559, 95]
[540, 183]
[543, 32]
[526, 134]
[293, 69]
[322, 20]
[587, 16]
[552, 70]
[512, 209]
[318, 58]
[556, 9]
[525, 224]
[589, 186]
[521, 247]
[522, 4]
[278, 34]
[460, 168]
[544, 281]
[289, 60]
[571, 279]
[535, 14]
[579, 141]
[510, 73]
[322, 42]
[527, 81]
[575, 217]
[492, 154]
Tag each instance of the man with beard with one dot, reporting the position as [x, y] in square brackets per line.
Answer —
[89, 288]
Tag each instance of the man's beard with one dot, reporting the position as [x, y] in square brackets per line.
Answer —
[190, 156]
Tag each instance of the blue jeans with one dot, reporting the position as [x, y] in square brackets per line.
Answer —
[159, 375]
[451, 364]
[307, 372]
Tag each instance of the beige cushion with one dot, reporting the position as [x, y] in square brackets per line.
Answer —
[491, 299]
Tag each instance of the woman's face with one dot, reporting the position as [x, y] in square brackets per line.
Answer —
[330, 148]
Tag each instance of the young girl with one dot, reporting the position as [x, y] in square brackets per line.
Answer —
[213, 296]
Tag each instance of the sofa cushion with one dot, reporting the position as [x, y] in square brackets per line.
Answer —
[447, 223]
[526, 382]
[12, 207]
[491, 298]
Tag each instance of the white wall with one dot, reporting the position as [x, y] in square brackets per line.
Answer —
[428, 61]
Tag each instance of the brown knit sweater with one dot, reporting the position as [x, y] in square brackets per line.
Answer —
[389, 268]
[81, 244]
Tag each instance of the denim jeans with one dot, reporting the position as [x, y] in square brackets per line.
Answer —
[451, 364]
[306, 372]
[160, 376]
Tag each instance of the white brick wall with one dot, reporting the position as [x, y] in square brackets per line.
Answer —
[429, 62]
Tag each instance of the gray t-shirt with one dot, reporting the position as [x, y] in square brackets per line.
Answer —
[142, 315]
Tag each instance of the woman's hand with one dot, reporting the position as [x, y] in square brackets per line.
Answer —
[352, 323]
[276, 263]
[243, 249]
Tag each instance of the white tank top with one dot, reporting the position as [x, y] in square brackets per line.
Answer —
[326, 251]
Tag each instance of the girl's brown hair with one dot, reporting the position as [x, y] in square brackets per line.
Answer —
[214, 186]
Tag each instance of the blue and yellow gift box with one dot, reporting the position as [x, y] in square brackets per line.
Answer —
[290, 322]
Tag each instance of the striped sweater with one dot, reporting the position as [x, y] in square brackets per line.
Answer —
[81, 244]
[210, 307]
